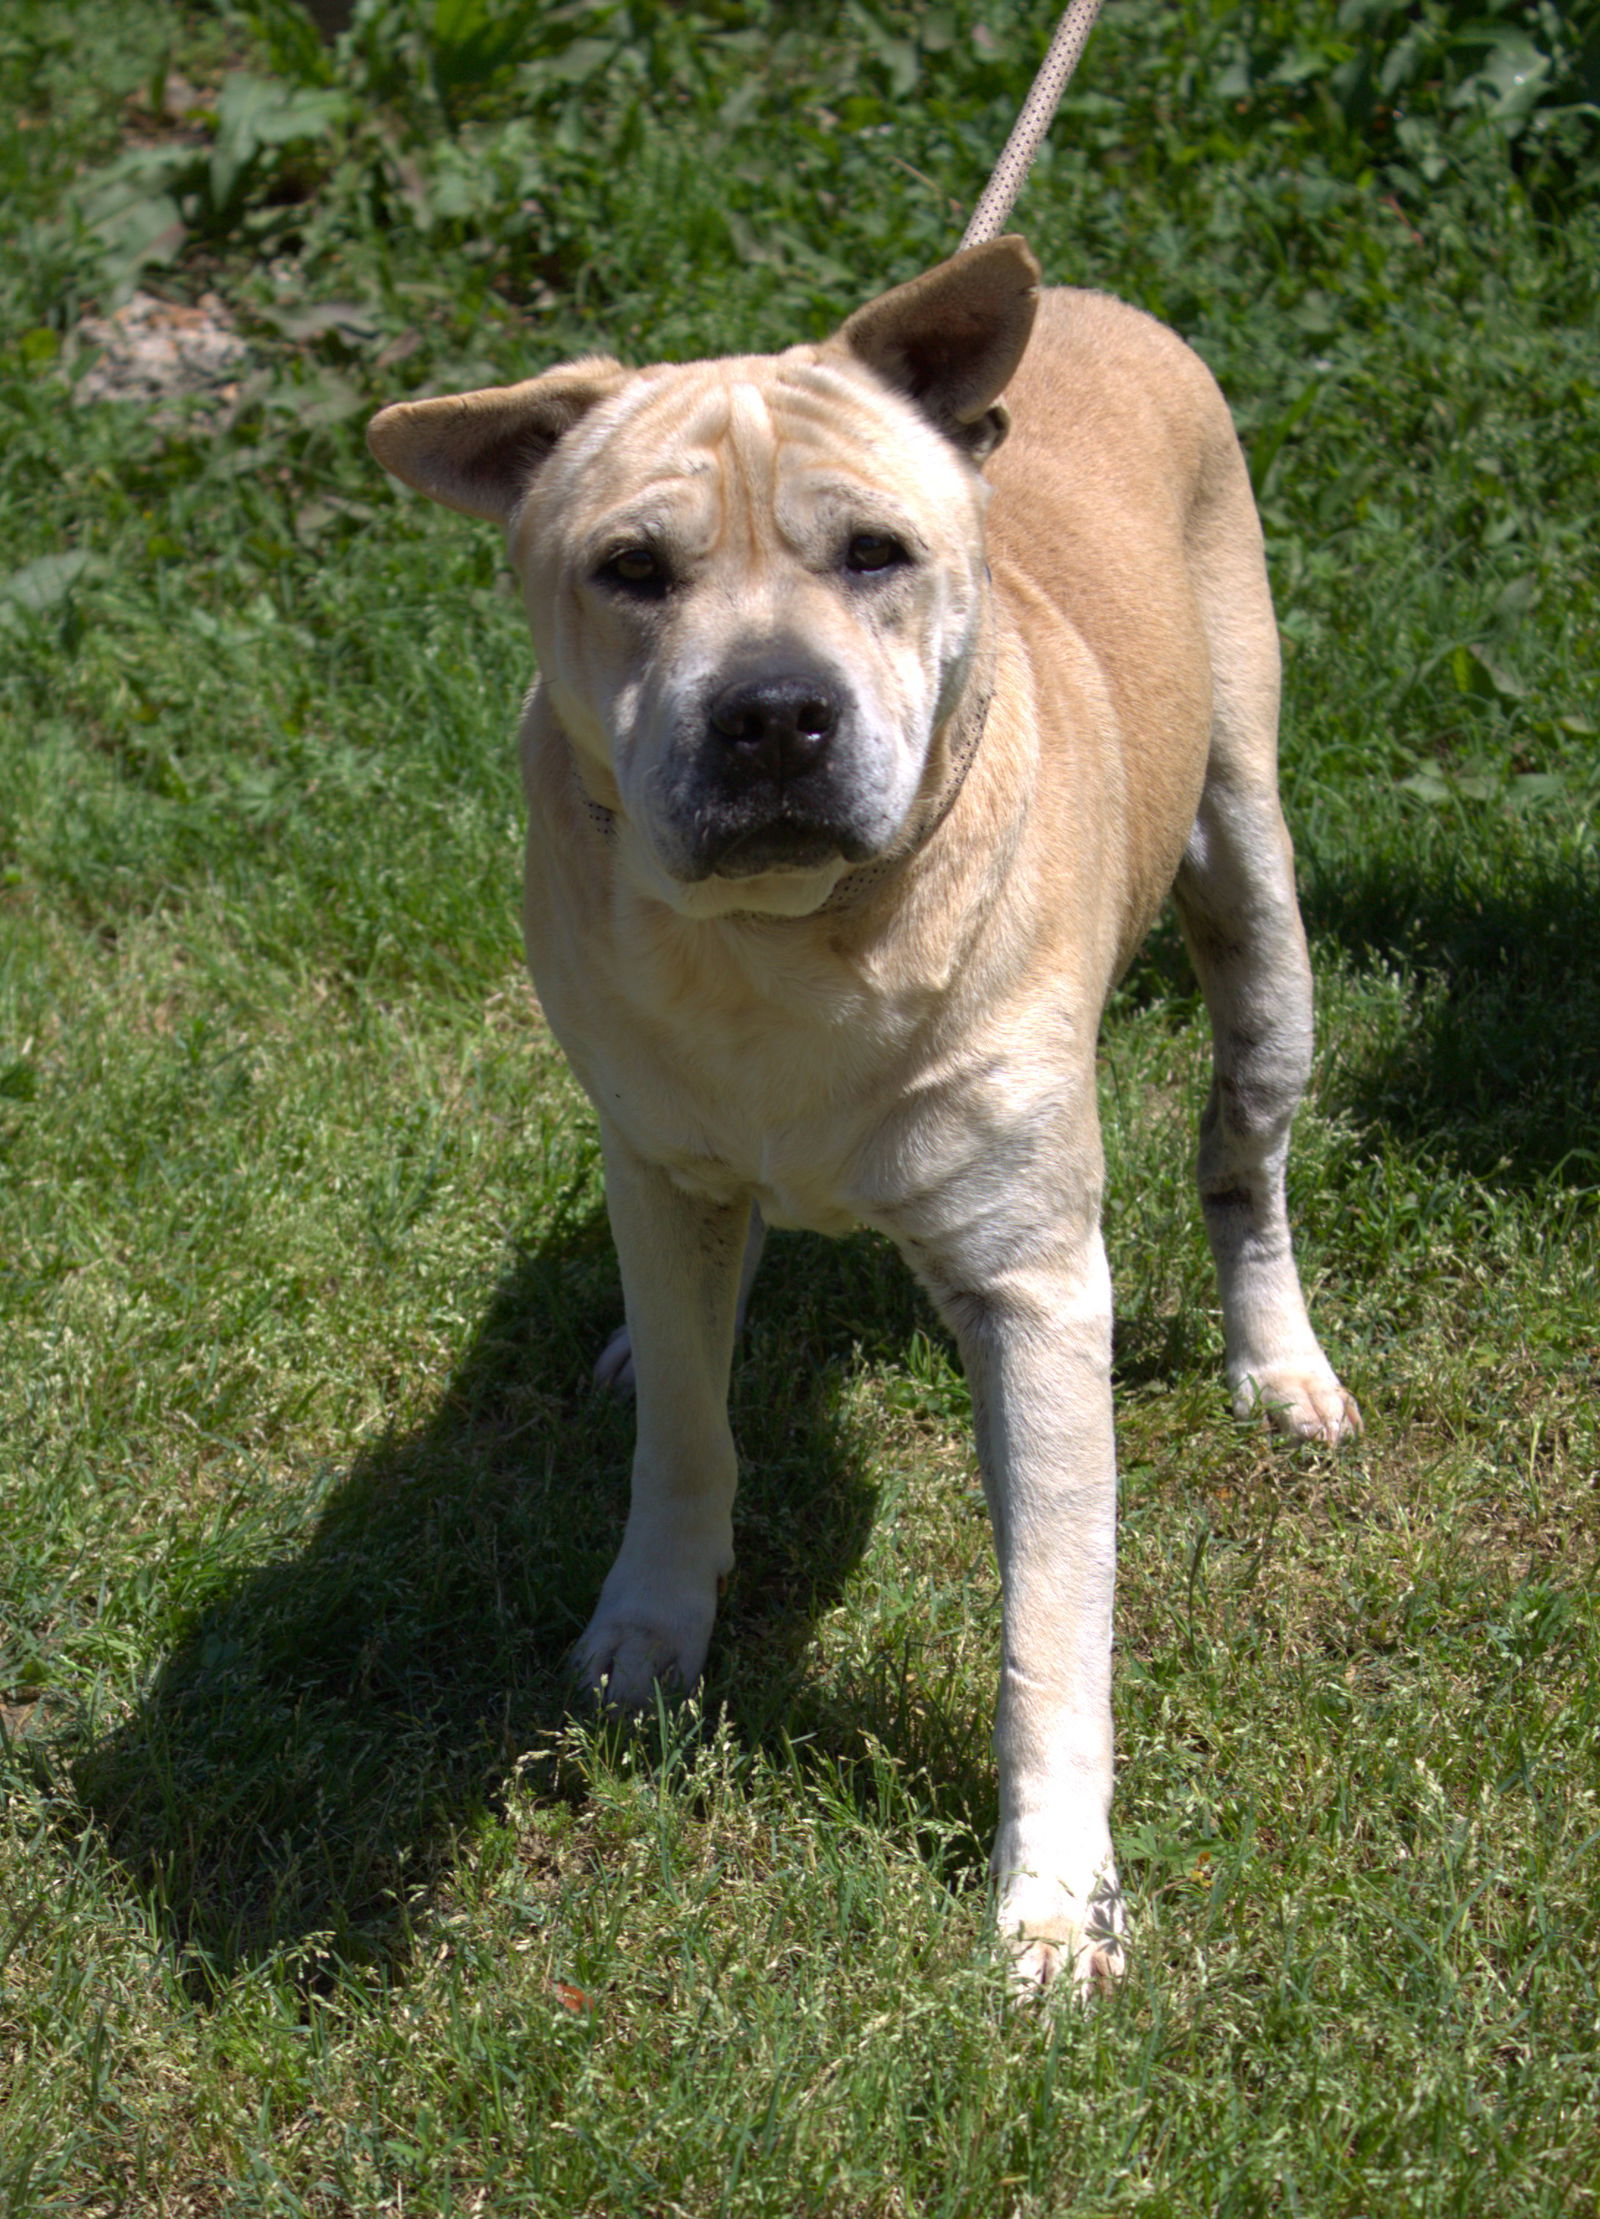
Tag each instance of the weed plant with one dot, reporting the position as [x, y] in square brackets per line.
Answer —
[313, 1898]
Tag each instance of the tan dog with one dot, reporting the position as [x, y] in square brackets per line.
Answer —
[864, 749]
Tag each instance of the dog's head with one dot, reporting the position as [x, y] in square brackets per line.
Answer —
[755, 585]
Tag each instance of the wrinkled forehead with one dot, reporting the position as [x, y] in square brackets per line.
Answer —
[780, 439]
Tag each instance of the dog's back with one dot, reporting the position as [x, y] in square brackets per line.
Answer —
[1122, 502]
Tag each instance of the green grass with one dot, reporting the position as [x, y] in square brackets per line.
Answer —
[313, 1898]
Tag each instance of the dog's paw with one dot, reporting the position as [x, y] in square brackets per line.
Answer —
[641, 1638]
[619, 1667]
[1057, 1937]
[1085, 1968]
[614, 1365]
[1305, 1402]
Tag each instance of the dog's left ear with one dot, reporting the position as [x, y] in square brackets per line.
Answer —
[950, 340]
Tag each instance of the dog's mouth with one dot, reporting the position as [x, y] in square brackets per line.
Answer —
[780, 846]
[742, 835]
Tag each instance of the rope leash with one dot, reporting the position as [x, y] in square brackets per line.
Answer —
[1016, 159]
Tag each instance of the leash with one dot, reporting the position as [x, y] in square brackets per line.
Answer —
[1016, 159]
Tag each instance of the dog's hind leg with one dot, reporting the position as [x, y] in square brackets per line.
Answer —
[1236, 903]
[680, 1256]
[614, 1364]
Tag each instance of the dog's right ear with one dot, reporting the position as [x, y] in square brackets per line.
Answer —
[479, 452]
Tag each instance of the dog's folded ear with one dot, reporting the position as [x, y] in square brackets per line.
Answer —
[478, 452]
[951, 340]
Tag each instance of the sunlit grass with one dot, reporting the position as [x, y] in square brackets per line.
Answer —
[313, 1897]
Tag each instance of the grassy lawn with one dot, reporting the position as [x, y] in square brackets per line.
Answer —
[313, 1898]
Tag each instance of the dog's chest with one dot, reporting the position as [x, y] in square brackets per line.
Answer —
[748, 1076]
[831, 1102]
[788, 1190]
[778, 1111]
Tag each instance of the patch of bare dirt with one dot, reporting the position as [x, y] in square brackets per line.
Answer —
[152, 349]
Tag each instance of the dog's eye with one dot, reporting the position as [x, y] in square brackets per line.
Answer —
[870, 551]
[638, 567]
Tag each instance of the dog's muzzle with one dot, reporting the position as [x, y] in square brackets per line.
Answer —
[764, 785]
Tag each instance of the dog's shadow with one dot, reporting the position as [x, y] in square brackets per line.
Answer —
[302, 1768]
[1491, 1066]
[1497, 1072]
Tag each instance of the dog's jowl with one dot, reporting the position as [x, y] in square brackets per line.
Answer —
[886, 688]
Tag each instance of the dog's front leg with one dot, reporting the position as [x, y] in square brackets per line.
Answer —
[680, 1256]
[1035, 1338]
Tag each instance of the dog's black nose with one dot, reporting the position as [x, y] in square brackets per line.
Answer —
[774, 727]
